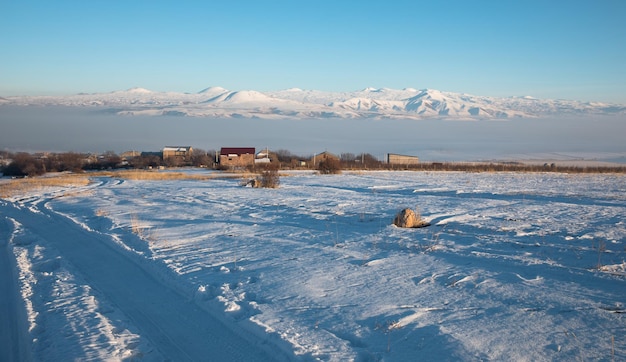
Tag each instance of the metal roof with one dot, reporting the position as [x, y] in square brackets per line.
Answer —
[237, 150]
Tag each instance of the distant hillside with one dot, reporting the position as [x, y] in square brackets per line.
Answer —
[378, 103]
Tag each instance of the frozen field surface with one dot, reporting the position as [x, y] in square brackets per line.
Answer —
[515, 266]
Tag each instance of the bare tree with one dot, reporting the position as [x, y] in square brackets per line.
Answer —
[369, 161]
[68, 161]
[24, 164]
[145, 160]
[201, 158]
[284, 156]
[347, 157]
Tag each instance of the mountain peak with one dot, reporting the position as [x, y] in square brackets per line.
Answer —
[213, 90]
[294, 103]
[138, 90]
[246, 96]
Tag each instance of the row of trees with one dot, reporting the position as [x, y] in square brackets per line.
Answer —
[26, 164]
[345, 161]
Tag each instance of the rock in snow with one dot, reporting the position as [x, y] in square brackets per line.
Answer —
[407, 218]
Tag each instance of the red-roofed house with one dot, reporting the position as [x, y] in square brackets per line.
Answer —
[237, 156]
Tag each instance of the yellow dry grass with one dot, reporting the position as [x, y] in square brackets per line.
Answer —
[156, 175]
[15, 187]
[164, 176]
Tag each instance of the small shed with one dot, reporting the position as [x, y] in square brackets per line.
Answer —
[403, 160]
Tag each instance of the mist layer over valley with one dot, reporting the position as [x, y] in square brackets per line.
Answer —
[98, 129]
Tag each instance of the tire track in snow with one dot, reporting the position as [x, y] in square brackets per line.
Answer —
[175, 325]
[14, 337]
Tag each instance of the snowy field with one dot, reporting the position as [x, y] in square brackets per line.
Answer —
[514, 267]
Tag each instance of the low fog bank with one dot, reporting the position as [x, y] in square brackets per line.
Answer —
[35, 129]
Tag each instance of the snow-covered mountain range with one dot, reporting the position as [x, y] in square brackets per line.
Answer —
[380, 103]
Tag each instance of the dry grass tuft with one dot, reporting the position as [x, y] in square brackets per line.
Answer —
[135, 226]
[144, 232]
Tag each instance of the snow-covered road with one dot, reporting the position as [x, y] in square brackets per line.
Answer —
[15, 341]
[172, 323]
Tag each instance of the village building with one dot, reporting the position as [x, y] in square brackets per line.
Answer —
[130, 154]
[178, 153]
[237, 156]
[402, 160]
[263, 157]
[315, 161]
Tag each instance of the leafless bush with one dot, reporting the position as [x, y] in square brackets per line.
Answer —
[270, 177]
[329, 165]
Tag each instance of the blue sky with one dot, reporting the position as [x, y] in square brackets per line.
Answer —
[547, 49]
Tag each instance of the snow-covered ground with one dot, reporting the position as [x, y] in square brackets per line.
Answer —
[514, 267]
